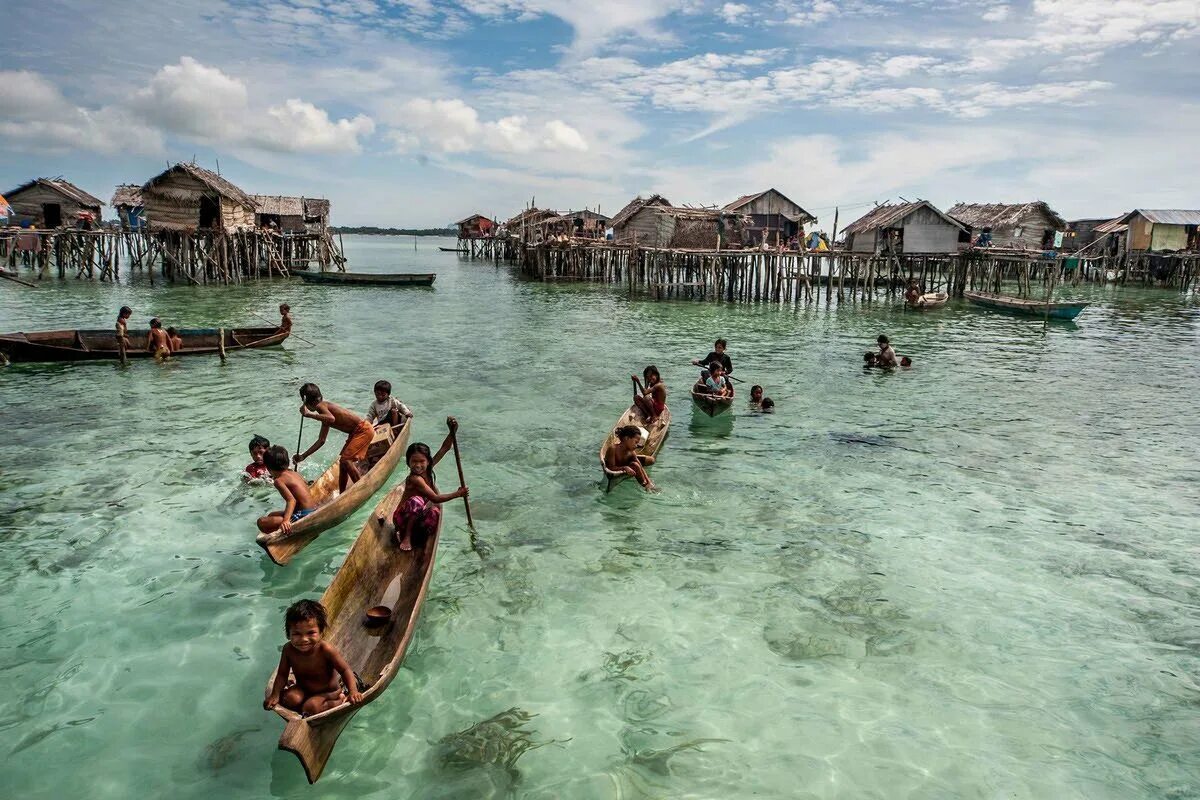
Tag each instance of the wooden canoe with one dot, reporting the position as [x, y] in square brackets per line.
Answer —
[370, 279]
[929, 301]
[711, 404]
[658, 434]
[333, 507]
[452, 250]
[101, 345]
[376, 572]
[1025, 306]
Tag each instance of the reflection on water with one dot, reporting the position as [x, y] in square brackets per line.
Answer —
[974, 578]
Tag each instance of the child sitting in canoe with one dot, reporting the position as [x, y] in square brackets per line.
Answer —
[297, 502]
[623, 456]
[387, 409]
[756, 396]
[359, 432]
[315, 663]
[285, 318]
[715, 383]
[256, 469]
[420, 505]
[650, 399]
[175, 340]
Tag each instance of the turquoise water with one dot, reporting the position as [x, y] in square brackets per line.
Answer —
[977, 578]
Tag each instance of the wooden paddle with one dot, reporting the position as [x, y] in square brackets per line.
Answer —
[299, 436]
[293, 334]
[727, 375]
[480, 549]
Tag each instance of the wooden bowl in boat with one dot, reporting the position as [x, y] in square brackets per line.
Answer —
[378, 616]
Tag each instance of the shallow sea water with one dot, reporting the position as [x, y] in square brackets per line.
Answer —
[974, 579]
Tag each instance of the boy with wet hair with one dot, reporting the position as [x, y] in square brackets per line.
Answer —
[624, 457]
[175, 340]
[298, 503]
[157, 341]
[886, 356]
[359, 432]
[315, 664]
[123, 325]
[387, 409]
[285, 322]
[869, 359]
[257, 468]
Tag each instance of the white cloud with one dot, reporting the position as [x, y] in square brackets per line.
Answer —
[996, 13]
[303, 127]
[733, 13]
[809, 12]
[452, 126]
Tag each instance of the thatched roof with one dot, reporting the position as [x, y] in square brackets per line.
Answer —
[637, 204]
[1003, 215]
[530, 216]
[63, 187]
[570, 216]
[278, 204]
[209, 178]
[127, 194]
[1112, 226]
[314, 207]
[888, 214]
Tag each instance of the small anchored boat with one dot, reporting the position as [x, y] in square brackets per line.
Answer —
[376, 578]
[452, 250]
[929, 301]
[332, 506]
[711, 404]
[656, 434]
[370, 279]
[101, 345]
[1027, 307]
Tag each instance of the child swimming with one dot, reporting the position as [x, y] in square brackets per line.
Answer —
[298, 503]
[756, 396]
[420, 505]
[256, 468]
[315, 664]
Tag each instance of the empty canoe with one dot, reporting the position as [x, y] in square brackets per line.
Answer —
[369, 279]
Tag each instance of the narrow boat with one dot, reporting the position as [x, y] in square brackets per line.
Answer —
[376, 572]
[370, 279]
[101, 345]
[1021, 305]
[383, 456]
[709, 403]
[452, 250]
[657, 434]
[929, 301]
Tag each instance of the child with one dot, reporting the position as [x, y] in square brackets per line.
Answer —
[650, 399]
[913, 293]
[715, 382]
[315, 663]
[123, 325]
[175, 340]
[419, 505]
[624, 457]
[887, 356]
[717, 354]
[869, 360]
[256, 468]
[298, 503]
[330, 415]
[768, 405]
[157, 341]
[756, 396]
[906, 362]
[285, 324]
[387, 409]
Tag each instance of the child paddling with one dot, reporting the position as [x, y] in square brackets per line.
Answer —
[420, 505]
[359, 432]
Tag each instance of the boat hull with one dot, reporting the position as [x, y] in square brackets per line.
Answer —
[368, 279]
[101, 345]
[333, 508]
[654, 442]
[710, 404]
[929, 301]
[375, 572]
[1024, 307]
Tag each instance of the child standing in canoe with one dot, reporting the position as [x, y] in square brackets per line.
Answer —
[315, 663]
[331, 415]
[623, 457]
[420, 504]
[297, 502]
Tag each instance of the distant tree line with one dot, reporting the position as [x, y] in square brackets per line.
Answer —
[370, 230]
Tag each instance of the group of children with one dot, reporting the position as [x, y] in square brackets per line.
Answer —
[162, 343]
[716, 376]
[886, 357]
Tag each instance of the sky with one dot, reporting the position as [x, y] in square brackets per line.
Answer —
[413, 113]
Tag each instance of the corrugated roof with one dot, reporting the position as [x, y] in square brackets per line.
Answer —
[209, 178]
[1166, 216]
[746, 199]
[637, 204]
[1002, 215]
[888, 214]
[127, 194]
[63, 187]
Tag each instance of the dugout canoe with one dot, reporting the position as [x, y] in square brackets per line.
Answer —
[711, 404]
[376, 572]
[657, 434]
[332, 507]
[101, 345]
[452, 250]
[370, 279]
[1025, 306]
[929, 301]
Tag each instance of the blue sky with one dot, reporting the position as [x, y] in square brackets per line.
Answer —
[419, 112]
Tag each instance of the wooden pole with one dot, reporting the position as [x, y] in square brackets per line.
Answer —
[221, 343]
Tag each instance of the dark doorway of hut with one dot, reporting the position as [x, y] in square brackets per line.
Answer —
[210, 212]
[51, 215]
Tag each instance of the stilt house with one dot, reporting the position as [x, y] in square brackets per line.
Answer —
[916, 227]
[525, 226]
[1023, 226]
[290, 214]
[577, 224]
[772, 216]
[54, 203]
[628, 226]
[127, 200]
[660, 226]
[186, 198]
[1158, 230]
[476, 226]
